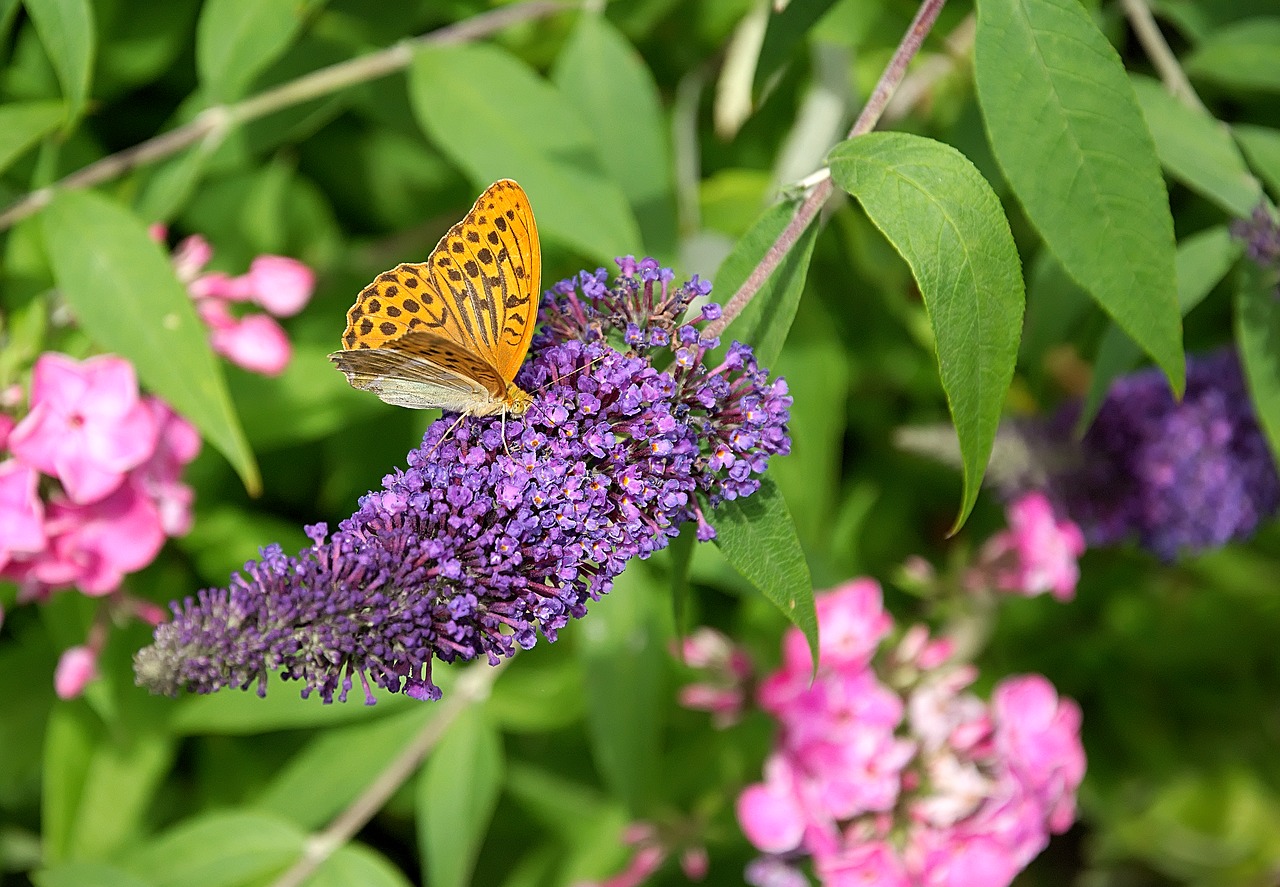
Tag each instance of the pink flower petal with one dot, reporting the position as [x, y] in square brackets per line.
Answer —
[76, 668]
[256, 343]
[21, 512]
[281, 285]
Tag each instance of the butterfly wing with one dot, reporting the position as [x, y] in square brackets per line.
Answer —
[488, 269]
[423, 370]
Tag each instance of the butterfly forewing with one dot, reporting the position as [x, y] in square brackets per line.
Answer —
[453, 331]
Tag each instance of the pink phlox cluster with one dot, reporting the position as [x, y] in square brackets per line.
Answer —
[117, 459]
[724, 671]
[651, 851]
[919, 784]
[278, 284]
[1038, 553]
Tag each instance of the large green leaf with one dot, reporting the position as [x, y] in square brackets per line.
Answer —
[1243, 55]
[765, 321]
[456, 796]
[785, 31]
[757, 536]
[1196, 149]
[22, 124]
[86, 874]
[1258, 338]
[126, 298]
[221, 849]
[495, 117]
[1071, 140]
[942, 216]
[602, 76]
[358, 864]
[1261, 145]
[1203, 260]
[623, 654]
[237, 39]
[66, 29]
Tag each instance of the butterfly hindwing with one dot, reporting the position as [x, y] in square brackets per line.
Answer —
[423, 370]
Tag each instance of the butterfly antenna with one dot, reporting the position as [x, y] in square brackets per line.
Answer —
[445, 436]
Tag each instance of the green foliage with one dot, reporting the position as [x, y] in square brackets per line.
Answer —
[1051, 160]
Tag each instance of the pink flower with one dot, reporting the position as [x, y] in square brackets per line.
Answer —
[726, 670]
[959, 861]
[1038, 552]
[160, 477]
[870, 864]
[93, 546]
[851, 624]
[281, 285]
[21, 512]
[87, 425]
[216, 285]
[770, 813]
[6, 428]
[770, 871]
[76, 668]
[190, 257]
[1039, 736]
[255, 341]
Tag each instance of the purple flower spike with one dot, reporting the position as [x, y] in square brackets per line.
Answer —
[476, 547]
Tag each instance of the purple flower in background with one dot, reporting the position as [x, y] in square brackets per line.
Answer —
[1179, 476]
[1261, 236]
[504, 528]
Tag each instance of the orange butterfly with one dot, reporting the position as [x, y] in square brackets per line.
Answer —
[452, 332]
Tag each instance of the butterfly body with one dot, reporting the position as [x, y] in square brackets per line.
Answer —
[451, 332]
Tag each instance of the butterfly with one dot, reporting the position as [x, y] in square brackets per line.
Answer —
[452, 331]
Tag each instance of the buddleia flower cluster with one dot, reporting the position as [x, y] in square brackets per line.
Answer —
[502, 528]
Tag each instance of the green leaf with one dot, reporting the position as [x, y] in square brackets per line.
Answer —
[169, 186]
[1196, 149]
[357, 864]
[538, 694]
[784, 33]
[218, 850]
[1262, 146]
[237, 39]
[1067, 131]
[67, 31]
[1242, 55]
[68, 757]
[125, 297]
[495, 117]
[22, 124]
[680, 557]
[942, 216]
[296, 794]
[765, 321]
[86, 874]
[602, 76]
[1203, 260]
[1258, 338]
[756, 535]
[623, 656]
[457, 794]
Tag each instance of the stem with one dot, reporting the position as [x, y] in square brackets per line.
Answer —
[473, 686]
[808, 211]
[217, 122]
[1162, 57]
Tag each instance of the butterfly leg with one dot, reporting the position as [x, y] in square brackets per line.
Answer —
[448, 432]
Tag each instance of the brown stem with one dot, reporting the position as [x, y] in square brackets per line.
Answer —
[808, 211]
[473, 686]
[1162, 57]
[215, 123]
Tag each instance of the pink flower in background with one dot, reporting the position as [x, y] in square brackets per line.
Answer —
[281, 285]
[1037, 554]
[93, 546]
[87, 426]
[255, 341]
[725, 670]
[21, 512]
[76, 668]
[160, 477]
[921, 783]
[6, 428]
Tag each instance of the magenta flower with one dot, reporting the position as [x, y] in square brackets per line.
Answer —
[87, 425]
[958, 792]
[724, 671]
[93, 546]
[255, 341]
[281, 285]
[160, 477]
[21, 512]
[76, 668]
[1037, 554]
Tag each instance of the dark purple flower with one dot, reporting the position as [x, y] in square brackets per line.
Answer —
[1261, 236]
[503, 528]
[1177, 476]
